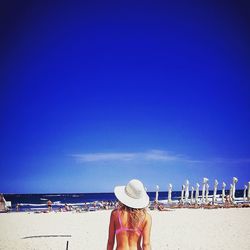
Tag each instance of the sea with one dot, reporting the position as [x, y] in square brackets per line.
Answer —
[31, 202]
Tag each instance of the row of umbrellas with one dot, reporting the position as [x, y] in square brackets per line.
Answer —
[205, 192]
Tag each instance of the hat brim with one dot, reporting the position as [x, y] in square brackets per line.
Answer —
[121, 195]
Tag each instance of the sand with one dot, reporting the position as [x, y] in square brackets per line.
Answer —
[188, 229]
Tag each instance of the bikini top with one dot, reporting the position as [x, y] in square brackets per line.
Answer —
[137, 230]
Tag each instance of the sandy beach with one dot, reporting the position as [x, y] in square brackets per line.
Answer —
[178, 229]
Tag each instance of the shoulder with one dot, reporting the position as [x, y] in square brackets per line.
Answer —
[114, 213]
[148, 217]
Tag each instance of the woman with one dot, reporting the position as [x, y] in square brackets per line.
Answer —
[130, 224]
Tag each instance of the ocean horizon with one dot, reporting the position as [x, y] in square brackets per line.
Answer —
[39, 200]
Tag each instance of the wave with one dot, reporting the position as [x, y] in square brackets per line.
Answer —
[32, 205]
[52, 195]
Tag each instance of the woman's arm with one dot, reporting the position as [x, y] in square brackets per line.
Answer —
[111, 239]
[146, 233]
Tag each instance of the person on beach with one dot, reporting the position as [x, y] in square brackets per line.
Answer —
[161, 207]
[130, 224]
[3, 206]
[66, 207]
[49, 203]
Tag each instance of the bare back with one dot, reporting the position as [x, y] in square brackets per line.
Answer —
[127, 237]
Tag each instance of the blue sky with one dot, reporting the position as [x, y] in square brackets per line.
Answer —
[94, 94]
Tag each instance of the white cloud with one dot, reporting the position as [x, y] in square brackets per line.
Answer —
[104, 157]
[152, 155]
[160, 155]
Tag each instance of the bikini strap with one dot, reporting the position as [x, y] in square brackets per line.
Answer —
[138, 230]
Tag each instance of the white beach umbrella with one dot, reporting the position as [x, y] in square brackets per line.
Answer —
[187, 191]
[205, 180]
[182, 193]
[215, 190]
[245, 193]
[207, 191]
[248, 191]
[235, 180]
[223, 192]
[197, 193]
[192, 195]
[170, 193]
[231, 192]
[157, 193]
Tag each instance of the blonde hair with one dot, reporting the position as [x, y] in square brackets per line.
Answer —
[135, 215]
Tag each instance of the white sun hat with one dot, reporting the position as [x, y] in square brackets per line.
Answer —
[133, 195]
